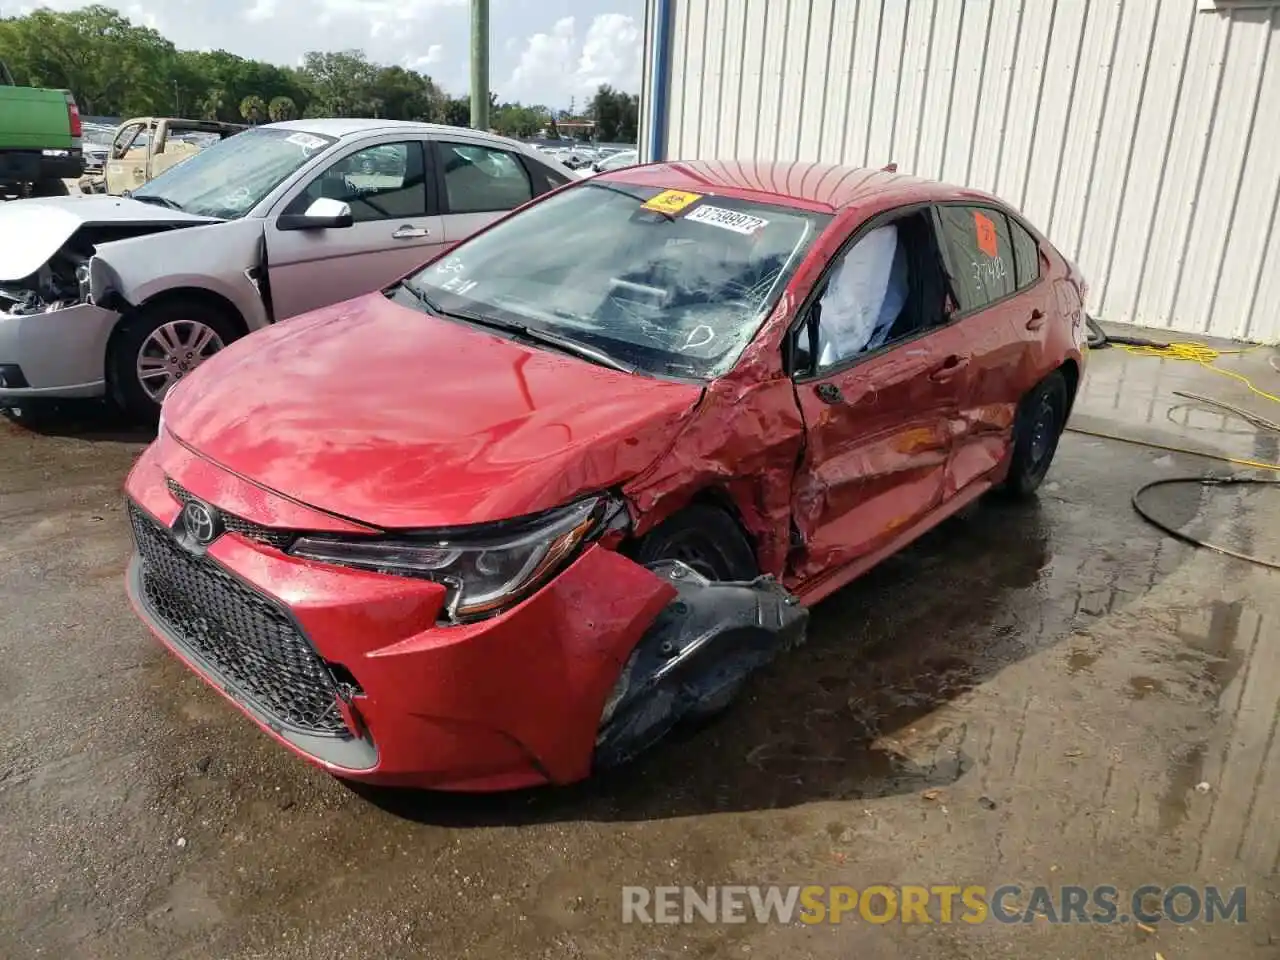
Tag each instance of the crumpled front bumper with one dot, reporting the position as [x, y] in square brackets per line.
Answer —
[512, 701]
[57, 354]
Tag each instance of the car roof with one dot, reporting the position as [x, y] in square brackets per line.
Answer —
[821, 187]
[342, 127]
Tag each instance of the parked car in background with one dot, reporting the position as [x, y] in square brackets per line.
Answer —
[40, 143]
[143, 148]
[125, 296]
[617, 161]
[96, 147]
[505, 522]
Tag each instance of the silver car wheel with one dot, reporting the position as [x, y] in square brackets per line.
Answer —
[171, 352]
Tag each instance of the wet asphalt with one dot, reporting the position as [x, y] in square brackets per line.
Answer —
[1048, 693]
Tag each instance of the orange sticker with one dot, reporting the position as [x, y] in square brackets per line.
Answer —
[671, 201]
[988, 242]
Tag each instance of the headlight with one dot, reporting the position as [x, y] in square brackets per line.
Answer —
[485, 568]
[82, 282]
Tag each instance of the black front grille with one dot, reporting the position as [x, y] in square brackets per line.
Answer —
[272, 536]
[249, 642]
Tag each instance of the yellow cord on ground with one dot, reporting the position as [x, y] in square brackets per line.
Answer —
[1202, 354]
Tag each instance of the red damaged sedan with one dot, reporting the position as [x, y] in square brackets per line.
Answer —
[510, 520]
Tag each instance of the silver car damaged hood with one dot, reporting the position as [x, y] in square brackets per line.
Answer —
[43, 242]
[32, 231]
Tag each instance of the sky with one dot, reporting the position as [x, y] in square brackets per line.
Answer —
[541, 51]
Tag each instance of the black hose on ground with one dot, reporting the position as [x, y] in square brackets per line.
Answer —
[1206, 481]
[1098, 339]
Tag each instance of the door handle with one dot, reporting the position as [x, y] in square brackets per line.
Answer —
[409, 232]
[1037, 320]
[950, 368]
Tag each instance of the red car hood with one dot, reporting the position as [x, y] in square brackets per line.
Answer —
[384, 414]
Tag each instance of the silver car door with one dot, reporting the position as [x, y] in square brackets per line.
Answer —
[478, 184]
[390, 189]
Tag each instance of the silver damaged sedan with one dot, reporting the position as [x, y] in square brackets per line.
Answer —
[124, 296]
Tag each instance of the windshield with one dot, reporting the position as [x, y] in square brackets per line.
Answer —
[677, 293]
[230, 178]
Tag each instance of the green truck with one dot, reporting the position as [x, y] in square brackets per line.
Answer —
[40, 134]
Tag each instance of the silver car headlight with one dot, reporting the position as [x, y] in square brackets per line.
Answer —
[82, 282]
[486, 569]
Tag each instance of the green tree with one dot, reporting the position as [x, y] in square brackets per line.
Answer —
[400, 94]
[117, 68]
[212, 105]
[456, 111]
[253, 108]
[282, 108]
[111, 65]
[343, 82]
[617, 115]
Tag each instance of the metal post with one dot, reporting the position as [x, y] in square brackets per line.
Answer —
[480, 64]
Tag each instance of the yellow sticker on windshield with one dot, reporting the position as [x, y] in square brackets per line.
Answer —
[671, 201]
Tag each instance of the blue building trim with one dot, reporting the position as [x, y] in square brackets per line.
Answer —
[661, 73]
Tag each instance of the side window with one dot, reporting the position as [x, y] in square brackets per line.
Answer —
[887, 287]
[1026, 255]
[980, 252]
[127, 139]
[383, 182]
[481, 179]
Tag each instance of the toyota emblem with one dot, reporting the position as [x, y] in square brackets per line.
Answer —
[200, 522]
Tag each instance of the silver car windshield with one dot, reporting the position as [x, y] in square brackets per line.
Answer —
[660, 282]
[230, 178]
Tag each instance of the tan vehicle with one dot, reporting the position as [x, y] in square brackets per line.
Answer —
[145, 147]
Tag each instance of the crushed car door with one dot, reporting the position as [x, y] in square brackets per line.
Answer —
[878, 375]
[388, 189]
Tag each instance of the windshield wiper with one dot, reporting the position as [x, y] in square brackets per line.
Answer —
[544, 337]
[417, 294]
[160, 201]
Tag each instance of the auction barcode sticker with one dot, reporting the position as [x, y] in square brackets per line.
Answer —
[727, 219]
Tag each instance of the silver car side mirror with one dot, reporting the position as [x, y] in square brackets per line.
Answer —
[325, 213]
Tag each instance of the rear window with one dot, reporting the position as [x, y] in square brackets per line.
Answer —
[980, 252]
[673, 283]
[1026, 255]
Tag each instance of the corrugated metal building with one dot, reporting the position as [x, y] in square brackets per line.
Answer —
[1142, 135]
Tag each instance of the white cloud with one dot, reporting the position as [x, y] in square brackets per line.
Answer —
[261, 10]
[557, 66]
[434, 54]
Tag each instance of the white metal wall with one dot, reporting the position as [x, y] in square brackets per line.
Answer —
[1142, 135]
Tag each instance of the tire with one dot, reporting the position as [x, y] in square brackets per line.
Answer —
[185, 320]
[50, 188]
[704, 537]
[1037, 429]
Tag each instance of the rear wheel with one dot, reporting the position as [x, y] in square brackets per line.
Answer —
[1041, 418]
[159, 346]
[704, 537]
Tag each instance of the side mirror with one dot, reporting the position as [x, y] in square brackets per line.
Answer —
[323, 214]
